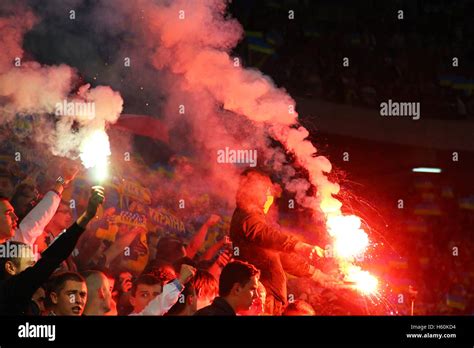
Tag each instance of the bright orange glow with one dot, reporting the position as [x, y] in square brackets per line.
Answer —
[95, 152]
[349, 239]
[363, 280]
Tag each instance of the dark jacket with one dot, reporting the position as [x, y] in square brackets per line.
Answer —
[268, 249]
[16, 291]
[219, 307]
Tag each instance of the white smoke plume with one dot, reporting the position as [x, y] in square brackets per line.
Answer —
[29, 88]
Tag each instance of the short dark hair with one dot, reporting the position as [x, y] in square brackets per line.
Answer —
[19, 192]
[16, 260]
[22, 188]
[147, 279]
[251, 184]
[4, 198]
[235, 272]
[57, 281]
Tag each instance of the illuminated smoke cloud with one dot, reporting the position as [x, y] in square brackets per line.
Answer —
[29, 88]
[187, 44]
[192, 40]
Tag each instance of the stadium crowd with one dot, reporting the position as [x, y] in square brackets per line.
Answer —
[51, 265]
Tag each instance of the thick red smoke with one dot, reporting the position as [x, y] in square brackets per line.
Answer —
[226, 104]
[192, 40]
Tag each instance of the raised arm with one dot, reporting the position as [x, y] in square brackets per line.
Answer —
[34, 223]
[25, 283]
[200, 236]
[170, 295]
[213, 249]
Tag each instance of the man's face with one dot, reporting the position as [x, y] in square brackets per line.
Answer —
[63, 217]
[125, 280]
[8, 220]
[107, 294]
[26, 200]
[247, 294]
[144, 294]
[258, 304]
[71, 299]
[113, 304]
[39, 297]
[125, 277]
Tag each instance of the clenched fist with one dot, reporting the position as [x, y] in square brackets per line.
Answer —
[97, 198]
[213, 219]
[186, 272]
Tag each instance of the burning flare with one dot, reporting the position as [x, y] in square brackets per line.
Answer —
[95, 152]
[349, 239]
[363, 280]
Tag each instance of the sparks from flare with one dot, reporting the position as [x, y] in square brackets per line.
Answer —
[350, 241]
[363, 280]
